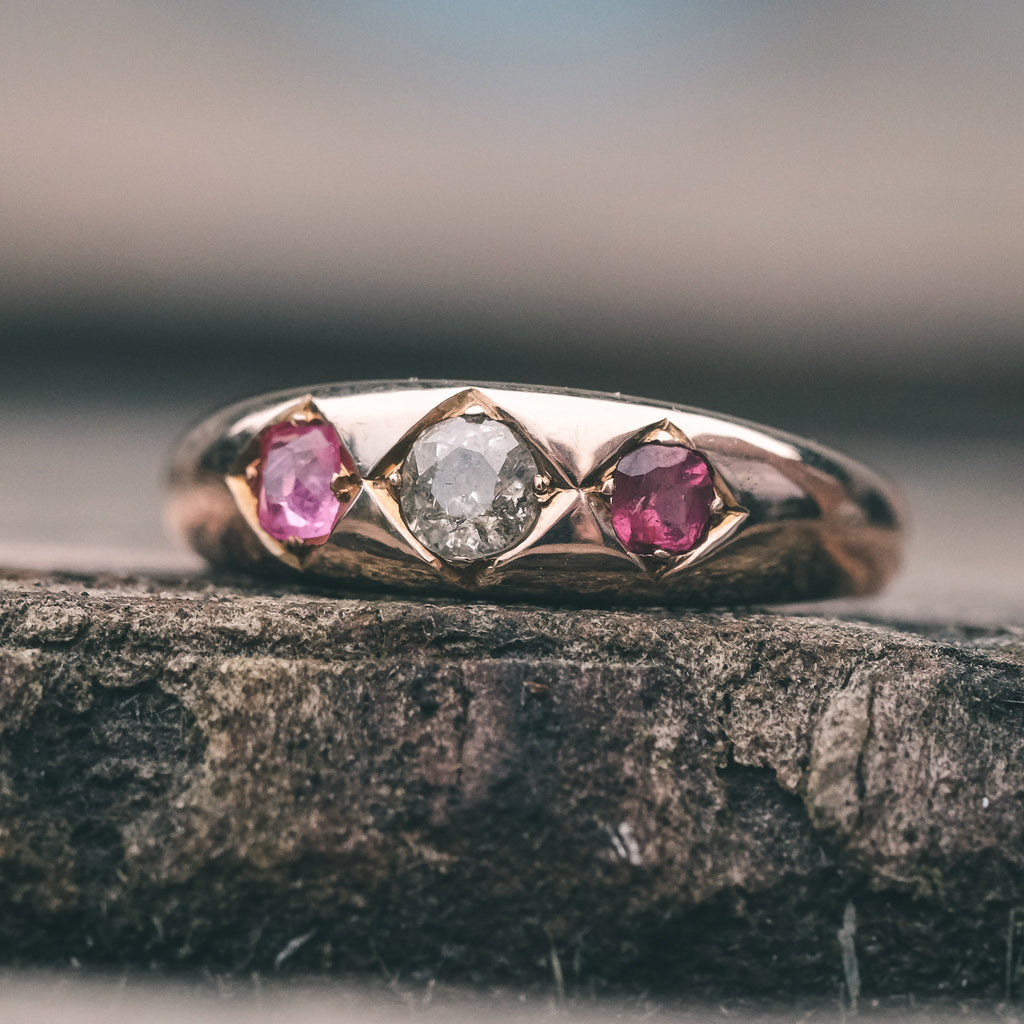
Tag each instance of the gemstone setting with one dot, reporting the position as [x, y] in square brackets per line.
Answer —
[298, 466]
[466, 488]
[663, 496]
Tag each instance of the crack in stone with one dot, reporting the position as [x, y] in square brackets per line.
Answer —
[866, 742]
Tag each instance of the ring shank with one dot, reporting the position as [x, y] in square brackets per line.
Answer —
[816, 523]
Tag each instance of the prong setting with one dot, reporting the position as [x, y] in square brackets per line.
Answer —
[644, 509]
[294, 481]
[345, 487]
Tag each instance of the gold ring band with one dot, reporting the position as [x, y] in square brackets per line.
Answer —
[509, 490]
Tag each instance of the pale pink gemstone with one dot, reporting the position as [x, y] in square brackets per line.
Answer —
[298, 462]
[661, 499]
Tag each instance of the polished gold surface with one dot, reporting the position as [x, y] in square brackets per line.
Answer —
[790, 521]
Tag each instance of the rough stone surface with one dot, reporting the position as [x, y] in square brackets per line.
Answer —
[467, 488]
[199, 775]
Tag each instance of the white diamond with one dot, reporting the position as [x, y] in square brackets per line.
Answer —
[467, 488]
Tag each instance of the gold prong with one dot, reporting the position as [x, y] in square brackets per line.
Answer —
[394, 478]
[345, 487]
[608, 487]
[663, 436]
[252, 471]
[661, 555]
[305, 413]
[541, 484]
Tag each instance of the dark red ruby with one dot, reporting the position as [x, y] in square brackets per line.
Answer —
[662, 498]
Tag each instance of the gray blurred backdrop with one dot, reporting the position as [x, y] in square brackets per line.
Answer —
[809, 213]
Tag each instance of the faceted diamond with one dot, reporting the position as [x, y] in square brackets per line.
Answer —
[467, 488]
[661, 499]
[298, 462]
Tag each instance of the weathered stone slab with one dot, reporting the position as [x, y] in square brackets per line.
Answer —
[212, 774]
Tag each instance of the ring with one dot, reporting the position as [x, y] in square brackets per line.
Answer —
[449, 487]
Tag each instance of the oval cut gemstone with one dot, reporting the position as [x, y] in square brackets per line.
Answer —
[661, 499]
[298, 463]
[467, 488]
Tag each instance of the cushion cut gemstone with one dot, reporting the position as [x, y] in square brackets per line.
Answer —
[467, 488]
[298, 463]
[661, 498]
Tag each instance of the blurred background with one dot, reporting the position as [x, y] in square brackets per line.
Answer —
[807, 213]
